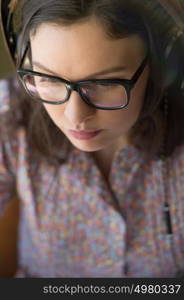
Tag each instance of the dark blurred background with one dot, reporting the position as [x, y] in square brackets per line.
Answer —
[9, 221]
[5, 61]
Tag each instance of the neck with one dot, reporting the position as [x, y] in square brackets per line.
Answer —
[104, 157]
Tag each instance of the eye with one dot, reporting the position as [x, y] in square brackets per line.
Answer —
[106, 85]
[48, 79]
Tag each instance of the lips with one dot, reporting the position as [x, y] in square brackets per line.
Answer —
[84, 134]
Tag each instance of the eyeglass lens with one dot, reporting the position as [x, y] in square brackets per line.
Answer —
[53, 90]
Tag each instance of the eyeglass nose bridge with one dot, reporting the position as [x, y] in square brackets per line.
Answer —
[74, 87]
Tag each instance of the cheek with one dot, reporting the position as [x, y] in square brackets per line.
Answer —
[118, 122]
[123, 120]
[54, 111]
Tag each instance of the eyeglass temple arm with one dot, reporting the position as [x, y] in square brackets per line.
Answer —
[20, 63]
[140, 70]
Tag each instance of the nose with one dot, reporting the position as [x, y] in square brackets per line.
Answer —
[77, 111]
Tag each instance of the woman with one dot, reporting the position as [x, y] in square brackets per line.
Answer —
[94, 148]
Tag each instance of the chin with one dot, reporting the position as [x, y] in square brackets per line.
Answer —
[86, 147]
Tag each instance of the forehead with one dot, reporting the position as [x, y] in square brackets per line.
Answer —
[80, 49]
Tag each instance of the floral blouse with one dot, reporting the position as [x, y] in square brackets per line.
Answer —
[74, 224]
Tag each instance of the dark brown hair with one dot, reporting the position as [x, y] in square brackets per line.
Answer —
[119, 18]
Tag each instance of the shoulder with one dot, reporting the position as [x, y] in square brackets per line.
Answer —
[176, 163]
[11, 137]
[178, 154]
[4, 96]
[8, 87]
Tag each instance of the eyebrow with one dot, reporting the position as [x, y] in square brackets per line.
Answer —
[103, 72]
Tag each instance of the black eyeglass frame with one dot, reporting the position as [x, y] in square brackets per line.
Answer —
[128, 84]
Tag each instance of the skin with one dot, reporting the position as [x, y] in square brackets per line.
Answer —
[75, 53]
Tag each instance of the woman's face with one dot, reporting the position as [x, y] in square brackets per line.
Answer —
[83, 51]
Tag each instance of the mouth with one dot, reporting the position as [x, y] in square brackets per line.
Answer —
[84, 134]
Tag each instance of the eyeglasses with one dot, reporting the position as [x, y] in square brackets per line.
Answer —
[105, 94]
